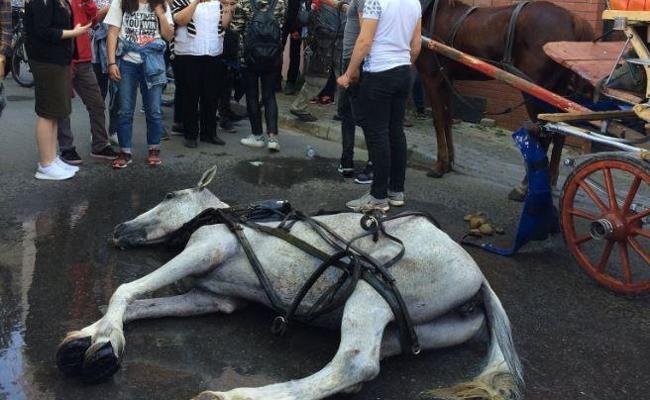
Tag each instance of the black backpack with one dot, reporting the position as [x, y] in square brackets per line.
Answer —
[263, 46]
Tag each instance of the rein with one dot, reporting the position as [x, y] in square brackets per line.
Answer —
[354, 263]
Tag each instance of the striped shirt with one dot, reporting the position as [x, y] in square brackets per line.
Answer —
[5, 27]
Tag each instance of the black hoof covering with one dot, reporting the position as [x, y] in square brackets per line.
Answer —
[100, 364]
[70, 356]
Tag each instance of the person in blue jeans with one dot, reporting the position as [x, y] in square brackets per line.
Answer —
[140, 26]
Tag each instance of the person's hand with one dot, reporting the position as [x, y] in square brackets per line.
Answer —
[114, 73]
[81, 29]
[344, 81]
[353, 75]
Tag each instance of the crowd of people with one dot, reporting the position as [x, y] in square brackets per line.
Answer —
[220, 50]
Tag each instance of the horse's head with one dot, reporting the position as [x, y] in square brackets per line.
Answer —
[168, 216]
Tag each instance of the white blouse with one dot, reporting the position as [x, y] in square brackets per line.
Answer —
[207, 41]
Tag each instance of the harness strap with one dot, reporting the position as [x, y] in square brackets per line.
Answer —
[458, 24]
[512, 29]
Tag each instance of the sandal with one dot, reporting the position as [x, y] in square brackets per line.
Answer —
[122, 161]
[154, 158]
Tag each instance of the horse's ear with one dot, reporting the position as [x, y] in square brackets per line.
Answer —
[207, 177]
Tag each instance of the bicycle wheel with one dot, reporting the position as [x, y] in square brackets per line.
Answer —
[19, 66]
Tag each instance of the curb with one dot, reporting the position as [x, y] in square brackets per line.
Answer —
[331, 130]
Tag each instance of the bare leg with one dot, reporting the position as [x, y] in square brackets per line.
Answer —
[46, 140]
[94, 351]
[365, 318]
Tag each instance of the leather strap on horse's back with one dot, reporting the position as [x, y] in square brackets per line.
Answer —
[458, 24]
[512, 30]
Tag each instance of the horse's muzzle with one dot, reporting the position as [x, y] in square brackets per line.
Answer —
[125, 236]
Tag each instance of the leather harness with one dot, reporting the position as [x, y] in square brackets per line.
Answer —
[507, 59]
[353, 262]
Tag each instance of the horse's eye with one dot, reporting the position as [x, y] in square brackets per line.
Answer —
[169, 195]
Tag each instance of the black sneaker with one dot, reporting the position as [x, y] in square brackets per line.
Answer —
[106, 153]
[365, 178]
[345, 172]
[71, 156]
[227, 125]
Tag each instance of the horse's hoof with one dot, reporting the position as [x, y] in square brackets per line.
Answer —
[434, 173]
[517, 194]
[70, 355]
[100, 364]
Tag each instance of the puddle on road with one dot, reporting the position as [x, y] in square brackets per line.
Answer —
[57, 269]
[286, 172]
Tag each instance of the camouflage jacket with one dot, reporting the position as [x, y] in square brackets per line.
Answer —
[244, 13]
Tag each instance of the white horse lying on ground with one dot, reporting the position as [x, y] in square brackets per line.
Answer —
[436, 276]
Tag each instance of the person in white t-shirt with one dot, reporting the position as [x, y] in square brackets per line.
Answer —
[140, 25]
[198, 45]
[388, 44]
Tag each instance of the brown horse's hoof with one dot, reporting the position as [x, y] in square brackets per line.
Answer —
[439, 170]
[518, 194]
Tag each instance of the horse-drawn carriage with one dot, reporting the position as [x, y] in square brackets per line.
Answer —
[605, 202]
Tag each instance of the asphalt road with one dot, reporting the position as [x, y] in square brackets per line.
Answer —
[577, 340]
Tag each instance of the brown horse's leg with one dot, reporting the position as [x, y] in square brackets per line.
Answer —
[440, 104]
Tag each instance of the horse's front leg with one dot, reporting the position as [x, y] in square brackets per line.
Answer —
[95, 351]
[365, 318]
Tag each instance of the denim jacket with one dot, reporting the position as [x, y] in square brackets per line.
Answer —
[99, 49]
[153, 59]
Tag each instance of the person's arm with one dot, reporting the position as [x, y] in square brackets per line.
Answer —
[111, 49]
[166, 29]
[416, 42]
[42, 18]
[227, 11]
[101, 14]
[361, 50]
[183, 13]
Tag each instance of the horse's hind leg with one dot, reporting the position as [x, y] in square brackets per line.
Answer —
[446, 331]
[365, 318]
[94, 352]
[440, 101]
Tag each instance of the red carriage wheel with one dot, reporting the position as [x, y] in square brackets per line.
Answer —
[605, 217]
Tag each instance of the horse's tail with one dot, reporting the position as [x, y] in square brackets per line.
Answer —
[502, 377]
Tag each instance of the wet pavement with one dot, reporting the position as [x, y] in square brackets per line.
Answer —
[577, 340]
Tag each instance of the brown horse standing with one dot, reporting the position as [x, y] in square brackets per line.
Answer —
[483, 34]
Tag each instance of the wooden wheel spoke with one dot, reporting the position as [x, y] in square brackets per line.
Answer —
[640, 215]
[609, 184]
[582, 239]
[594, 197]
[602, 264]
[639, 250]
[642, 232]
[582, 214]
[625, 262]
[631, 193]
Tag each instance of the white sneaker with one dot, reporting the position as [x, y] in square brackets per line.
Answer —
[273, 145]
[254, 141]
[65, 165]
[53, 172]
